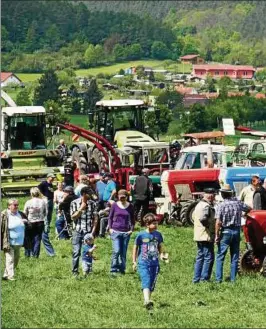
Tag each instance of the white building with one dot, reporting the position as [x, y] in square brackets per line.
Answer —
[8, 78]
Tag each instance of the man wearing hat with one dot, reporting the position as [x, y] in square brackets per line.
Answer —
[227, 231]
[64, 213]
[247, 193]
[47, 189]
[84, 215]
[204, 232]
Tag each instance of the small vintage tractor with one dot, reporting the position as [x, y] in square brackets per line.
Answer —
[254, 258]
[25, 159]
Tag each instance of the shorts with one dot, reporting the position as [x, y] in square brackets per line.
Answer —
[148, 275]
[86, 267]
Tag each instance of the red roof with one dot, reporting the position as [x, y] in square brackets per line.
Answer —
[184, 90]
[5, 75]
[189, 56]
[260, 95]
[223, 67]
[195, 96]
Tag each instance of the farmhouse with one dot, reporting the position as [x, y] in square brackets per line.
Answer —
[8, 78]
[191, 59]
[221, 70]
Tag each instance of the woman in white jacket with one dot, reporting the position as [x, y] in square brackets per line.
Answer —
[36, 212]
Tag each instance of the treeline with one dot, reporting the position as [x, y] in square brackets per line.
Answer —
[42, 35]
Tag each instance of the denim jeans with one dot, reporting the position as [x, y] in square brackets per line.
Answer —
[33, 245]
[204, 261]
[77, 239]
[230, 238]
[50, 205]
[61, 227]
[119, 256]
[47, 244]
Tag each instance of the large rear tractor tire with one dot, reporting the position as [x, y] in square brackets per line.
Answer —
[248, 263]
[186, 213]
[263, 272]
[82, 163]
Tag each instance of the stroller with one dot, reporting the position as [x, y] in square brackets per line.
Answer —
[64, 230]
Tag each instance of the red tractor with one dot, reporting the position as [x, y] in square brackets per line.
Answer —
[254, 258]
[183, 188]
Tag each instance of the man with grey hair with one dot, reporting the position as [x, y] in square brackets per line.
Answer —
[204, 233]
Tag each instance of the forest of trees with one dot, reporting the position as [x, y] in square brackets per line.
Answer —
[42, 35]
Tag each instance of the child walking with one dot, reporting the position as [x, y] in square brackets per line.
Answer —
[87, 254]
[148, 247]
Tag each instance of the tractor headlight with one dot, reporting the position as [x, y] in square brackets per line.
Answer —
[264, 240]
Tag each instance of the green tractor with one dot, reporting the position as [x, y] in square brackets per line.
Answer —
[25, 159]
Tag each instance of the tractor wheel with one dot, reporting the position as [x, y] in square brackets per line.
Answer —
[248, 263]
[82, 163]
[264, 267]
[100, 159]
[186, 213]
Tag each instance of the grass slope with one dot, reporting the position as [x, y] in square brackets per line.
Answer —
[112, 69]
[46, 296]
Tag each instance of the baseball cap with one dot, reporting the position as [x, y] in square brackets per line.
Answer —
[69, 189]
[50, 175]
[209, 190]
[88, 236]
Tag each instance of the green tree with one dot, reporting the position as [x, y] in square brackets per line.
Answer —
[48, 88]
[23, 98]
[159, 50]
[119, 53]
[261, 75]
[92, 96]
[134, 51]
[210, 85]
[90, 56]
[52, 37]
[31, 42]
[224, 84]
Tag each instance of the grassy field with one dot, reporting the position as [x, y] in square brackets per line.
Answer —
[112, 69]
[46, 296]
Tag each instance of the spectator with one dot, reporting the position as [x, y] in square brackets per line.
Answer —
[58, 195]
[63, 147]
[83, 181]
[110, 188]
[247, 193]
[148, 246]
[87, 254]
[259, 198]
[12, 237]
[100, 187]
[227, 231]
[143, 193]
[121, 225]
[93, 166]
[83, 212]
[46, 188]
[104, 216]
[63, 222]
[36, 211]
[204, 231]
[69, 169]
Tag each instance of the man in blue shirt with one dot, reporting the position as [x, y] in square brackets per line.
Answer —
[110, 188]
[100, 187]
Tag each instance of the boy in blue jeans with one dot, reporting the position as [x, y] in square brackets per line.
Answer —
[148, 247]
[87, 254]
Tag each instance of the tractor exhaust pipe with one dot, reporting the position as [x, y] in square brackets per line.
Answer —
[210, 163]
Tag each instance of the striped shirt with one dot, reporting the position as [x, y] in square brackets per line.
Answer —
[229, 212]
[85, 222]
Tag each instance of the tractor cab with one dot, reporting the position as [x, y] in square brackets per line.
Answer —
[202, 156]
[250, 153]
[23, 128]
[112, 116]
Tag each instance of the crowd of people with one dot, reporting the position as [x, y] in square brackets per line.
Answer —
[87, 211]
[98, 209]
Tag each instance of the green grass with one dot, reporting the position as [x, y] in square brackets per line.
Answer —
[46, 296]
[112, 69]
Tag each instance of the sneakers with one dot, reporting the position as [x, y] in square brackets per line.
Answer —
[148, 305]
[8, 278]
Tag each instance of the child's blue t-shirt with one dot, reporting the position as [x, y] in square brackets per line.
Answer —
[85, 250]
[148, 247]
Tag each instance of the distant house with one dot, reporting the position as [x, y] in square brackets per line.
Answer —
[84, 82]
[220, 70]
[8, 78]
[186, 90]
[192, 59]
[190, 100]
